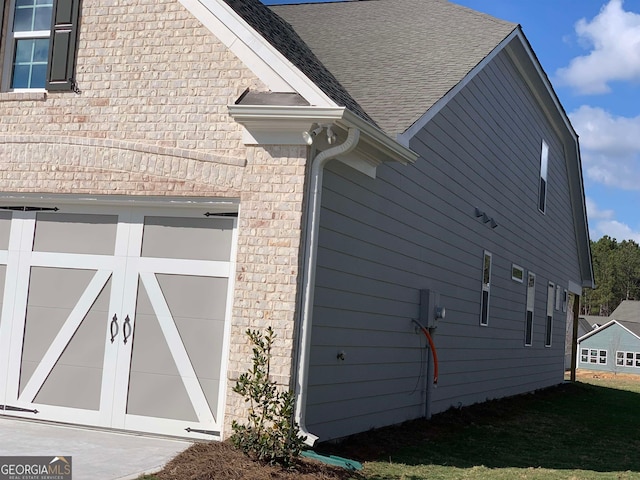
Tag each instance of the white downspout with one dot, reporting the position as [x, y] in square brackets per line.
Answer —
[309, 280]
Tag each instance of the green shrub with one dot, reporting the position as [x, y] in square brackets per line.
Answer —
[270, 433]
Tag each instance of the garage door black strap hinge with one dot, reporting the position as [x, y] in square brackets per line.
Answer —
[206, 432]
[9, 408]
[31, 209]
[221, 214]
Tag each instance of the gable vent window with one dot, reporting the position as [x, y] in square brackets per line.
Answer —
[41, 45]
[486, 289]
[544, 166]
[531, 300]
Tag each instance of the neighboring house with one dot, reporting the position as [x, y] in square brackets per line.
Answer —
[614, 343]
[177, 172]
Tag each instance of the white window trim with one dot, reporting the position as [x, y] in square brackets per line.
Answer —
[635, 359]
[593, 356]
[520, 269]
[10, 38]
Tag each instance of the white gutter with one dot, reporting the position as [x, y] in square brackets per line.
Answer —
[309, 280]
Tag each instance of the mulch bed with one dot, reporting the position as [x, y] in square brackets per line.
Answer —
[221, 461]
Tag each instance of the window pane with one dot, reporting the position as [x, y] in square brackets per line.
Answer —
[38, 76]
[31, 16]
[24, 50]
[487, 269]
[42, 19]
[21, 77]
[548, 332]
[22, 20]
[30, 65]
[484, 320]
[543, 194]
[41, 50]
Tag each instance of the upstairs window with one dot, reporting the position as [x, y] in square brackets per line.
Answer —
[486, 288]
[544, 166]
[41, 45]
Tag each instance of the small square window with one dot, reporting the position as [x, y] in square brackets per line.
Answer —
[517, 273]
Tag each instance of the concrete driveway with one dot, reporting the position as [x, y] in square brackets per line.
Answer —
[97, 454]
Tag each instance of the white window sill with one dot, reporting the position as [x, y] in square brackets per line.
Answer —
[23, 95]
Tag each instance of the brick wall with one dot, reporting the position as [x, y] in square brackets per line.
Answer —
[151, 119]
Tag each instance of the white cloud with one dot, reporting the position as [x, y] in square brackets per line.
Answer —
[610, 147]
[602, 222]
[595, 213]
[614, 38]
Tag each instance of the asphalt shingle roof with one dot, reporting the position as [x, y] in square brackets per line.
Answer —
[388, 61]
[396, 58]
[287, 41]
[631, 326]
[627, 311]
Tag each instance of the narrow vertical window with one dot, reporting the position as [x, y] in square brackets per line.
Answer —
[544, 165]
[565, 300]
[549, 324]
[486, 288]
[558, 297]
[531, 300]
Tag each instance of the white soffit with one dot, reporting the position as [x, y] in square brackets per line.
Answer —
[264, 60]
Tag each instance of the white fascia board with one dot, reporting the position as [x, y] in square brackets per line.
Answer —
[593, 332]
[284, 125]
[269, 65]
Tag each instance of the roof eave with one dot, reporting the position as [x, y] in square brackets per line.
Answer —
[285, 125]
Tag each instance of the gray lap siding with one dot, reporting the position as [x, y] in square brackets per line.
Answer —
[382, 240]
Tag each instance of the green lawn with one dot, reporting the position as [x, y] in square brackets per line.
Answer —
[587, 430]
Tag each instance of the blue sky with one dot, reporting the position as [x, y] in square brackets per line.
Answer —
[590, 49]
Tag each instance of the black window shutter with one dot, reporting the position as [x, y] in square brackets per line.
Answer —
[62, 46]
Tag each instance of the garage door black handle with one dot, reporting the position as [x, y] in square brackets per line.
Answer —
[126, 329]
[113, 328]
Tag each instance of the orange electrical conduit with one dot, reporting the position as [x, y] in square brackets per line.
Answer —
[433, 350]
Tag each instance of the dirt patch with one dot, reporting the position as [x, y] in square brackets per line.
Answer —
[592, 374]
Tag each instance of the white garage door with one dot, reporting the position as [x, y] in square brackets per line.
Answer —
[116, 317]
